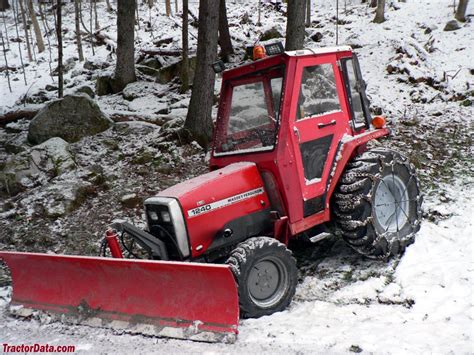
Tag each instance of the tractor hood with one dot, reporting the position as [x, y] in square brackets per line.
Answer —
[211, 202]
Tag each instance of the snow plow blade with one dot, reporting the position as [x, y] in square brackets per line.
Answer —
[171, 299]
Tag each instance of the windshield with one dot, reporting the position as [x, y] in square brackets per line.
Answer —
[250, 123]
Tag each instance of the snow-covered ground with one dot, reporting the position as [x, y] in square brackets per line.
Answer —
[422, 303]
[424, 306]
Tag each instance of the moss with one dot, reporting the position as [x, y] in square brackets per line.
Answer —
[142, 158]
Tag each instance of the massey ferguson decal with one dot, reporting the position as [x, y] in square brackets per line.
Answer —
[225, 202]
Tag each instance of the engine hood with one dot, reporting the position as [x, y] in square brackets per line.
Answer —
[212, 200]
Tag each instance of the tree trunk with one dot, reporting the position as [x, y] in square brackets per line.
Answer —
[373, 3]
[308, 13]
[96, 20]
[25, 27]
[17, 31]
[380, 12]
[185, 39]
[4, 5]
[295, 25]
[109, 7]
[60, 48]
[36, 27]
[168, 7]
[125, 68]
[461, 10]
[78, 31]
[224, 35]
[198, 121]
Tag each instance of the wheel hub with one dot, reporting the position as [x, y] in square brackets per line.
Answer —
[267, 282]
[391, 203]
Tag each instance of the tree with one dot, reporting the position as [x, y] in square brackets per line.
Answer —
[25, 27]
[185, 60]
[308, 14]
[36, 27]
[224, 35]
[60, 47]
[125, 68]
[78, 30]
[461, 10]
[4, 5]
[380, 12]
[373, 3]
[198, 120]
[295, 25]
[168, 7]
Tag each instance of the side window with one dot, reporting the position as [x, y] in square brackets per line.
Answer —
[276, 84]
[248, 109]
[318, 93]
[354, 97]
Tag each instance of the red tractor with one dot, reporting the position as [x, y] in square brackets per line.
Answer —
[289, 160]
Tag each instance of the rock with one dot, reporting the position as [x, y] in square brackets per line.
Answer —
[94, 64]
[68, 65]
[103, 85]
[37, 165]
[150, 66]
[168, 73]
[17, 144]
[143, 88]
[452, 26]
[391, 69]
[86, 90]
[71, 118]
[50, 87]
[59, 199]
[355, 349]
[148, 104]
[271, 34]
[317, 37]
[130, 200]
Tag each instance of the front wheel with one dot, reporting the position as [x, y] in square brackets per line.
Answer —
[266, 275]
[377, 205]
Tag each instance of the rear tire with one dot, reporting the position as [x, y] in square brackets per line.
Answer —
[266, 276]
[377, 204]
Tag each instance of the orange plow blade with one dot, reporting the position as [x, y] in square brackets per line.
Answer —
[172, 299]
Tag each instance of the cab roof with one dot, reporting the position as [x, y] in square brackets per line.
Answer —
[280, 59]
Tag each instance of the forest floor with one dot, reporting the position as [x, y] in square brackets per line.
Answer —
[418, 75]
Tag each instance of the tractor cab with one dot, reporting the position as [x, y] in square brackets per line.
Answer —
[289, 113]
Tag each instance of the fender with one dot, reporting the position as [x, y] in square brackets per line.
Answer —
[343, 155]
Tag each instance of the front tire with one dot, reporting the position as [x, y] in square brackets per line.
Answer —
[377, 205]
[266, 275]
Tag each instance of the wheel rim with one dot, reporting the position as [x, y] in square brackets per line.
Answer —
[391, 203]
[267, 282]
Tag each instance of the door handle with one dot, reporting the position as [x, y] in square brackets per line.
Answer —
[297, 133]
[322, 125]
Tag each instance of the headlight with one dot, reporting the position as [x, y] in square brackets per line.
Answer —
[165, 216]
[153, 215]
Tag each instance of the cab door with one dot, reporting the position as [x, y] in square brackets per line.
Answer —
[320, 119]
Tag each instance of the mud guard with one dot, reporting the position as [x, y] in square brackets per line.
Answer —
[171, 299]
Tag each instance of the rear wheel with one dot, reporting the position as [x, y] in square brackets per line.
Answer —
[266, 275]
[377, 205]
